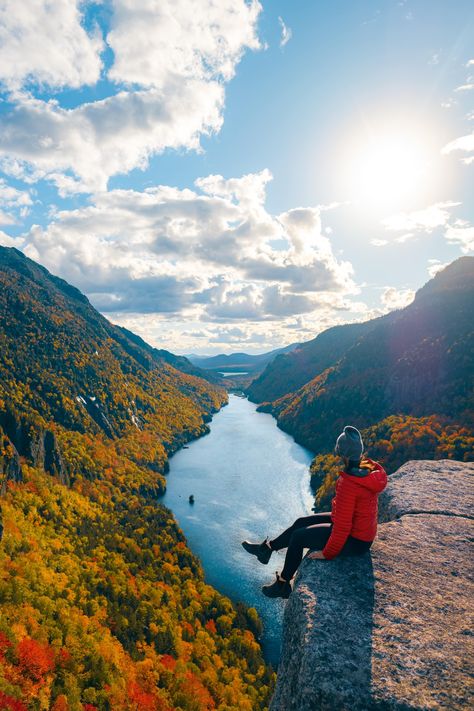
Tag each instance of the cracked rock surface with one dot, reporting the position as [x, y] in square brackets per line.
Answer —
[392, 629]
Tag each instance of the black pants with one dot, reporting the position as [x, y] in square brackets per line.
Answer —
[311, 532]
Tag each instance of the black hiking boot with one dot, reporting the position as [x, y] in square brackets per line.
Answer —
[261, 550]
[280, 588]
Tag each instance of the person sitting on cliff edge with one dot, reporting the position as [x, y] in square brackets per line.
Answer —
[348, 529]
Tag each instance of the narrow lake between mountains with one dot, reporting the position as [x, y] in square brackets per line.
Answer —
[249, 480]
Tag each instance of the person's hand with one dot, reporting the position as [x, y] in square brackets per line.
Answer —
[316, 555]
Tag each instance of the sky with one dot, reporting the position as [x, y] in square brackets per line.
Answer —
[231, 175]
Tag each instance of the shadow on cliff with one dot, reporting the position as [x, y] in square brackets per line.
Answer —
[337, 602]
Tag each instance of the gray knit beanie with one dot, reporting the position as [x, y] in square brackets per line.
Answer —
[349, 444]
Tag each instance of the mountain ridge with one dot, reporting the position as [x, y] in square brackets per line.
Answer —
[406, 382]
[103, 604]
[290, 372]
[232, 360]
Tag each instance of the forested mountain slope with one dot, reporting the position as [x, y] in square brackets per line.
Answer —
[406, 380]
[102, 604]
[289, 371]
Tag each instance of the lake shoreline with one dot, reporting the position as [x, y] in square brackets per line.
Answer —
[230, 505]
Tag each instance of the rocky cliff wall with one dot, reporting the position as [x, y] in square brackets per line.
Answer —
[393, 629]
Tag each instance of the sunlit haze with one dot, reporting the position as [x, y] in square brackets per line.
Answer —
[390, 170]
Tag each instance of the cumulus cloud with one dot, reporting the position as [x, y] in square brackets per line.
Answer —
[464, 144]
[167, 79]
[393, 298]
[12, 197]
[7, 241]
[435, 266]
[462, 234]
[79, 149]
[459, 232]
[46, 42]
[425, 220]
[208, 253]
[14, 203]
[156, 41]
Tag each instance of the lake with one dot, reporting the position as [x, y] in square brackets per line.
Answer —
[249, 480]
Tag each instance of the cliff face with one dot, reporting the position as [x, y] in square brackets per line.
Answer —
[393, 629]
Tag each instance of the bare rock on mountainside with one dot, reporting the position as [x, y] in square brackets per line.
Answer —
[393, 629]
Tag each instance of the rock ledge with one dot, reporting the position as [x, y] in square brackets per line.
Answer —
[391, 630]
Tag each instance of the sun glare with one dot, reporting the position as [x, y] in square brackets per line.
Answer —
[389, 170]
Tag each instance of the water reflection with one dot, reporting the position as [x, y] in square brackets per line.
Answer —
[249, 480]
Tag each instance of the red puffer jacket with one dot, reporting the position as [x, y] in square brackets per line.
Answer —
[354, 508]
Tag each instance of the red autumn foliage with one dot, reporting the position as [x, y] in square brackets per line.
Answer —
[64, 656]
[193, 688]
[141, 700]
[211, 626]
[35, 658]
[168, 661]
[8, 703]
[60, 704]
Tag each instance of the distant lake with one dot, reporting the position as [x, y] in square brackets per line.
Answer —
[249, 480]
[228, 375]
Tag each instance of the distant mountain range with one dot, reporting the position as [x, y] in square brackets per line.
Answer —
[238, 361]
[414, 363]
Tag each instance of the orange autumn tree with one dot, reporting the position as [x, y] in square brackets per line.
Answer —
[103, 606]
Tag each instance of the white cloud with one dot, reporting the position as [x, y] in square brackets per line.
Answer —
[464, 144]
[7, 241]
[459, 232]
[286, 33]
[208, 339]
[96, 140]
[45, 42]
[12, 197]
[401, 239]
[393, 298]
[157, 41]
[379, 242]
[14, 203]
[6, 218]
[425, 220]
[171, 61]
[435, 266]
[462, 234]
[205, 255]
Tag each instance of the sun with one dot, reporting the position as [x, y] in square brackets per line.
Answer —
[389, 170]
